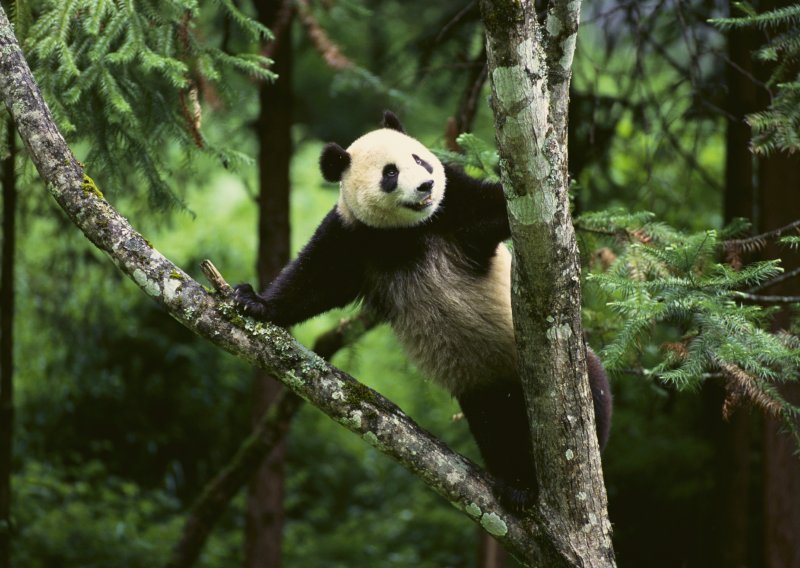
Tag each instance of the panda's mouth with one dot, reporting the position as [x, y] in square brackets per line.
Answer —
[420, 205]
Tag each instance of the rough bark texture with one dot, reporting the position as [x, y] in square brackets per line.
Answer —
[359, 408]
[265, 513]
[9, 181]
[530, 66]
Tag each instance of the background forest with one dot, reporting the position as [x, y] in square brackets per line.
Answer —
[203, 121]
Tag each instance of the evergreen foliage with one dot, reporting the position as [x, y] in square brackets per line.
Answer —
[127, 78]
[662, 276]
[777, 127]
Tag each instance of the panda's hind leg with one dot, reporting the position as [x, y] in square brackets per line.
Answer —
[498, 421]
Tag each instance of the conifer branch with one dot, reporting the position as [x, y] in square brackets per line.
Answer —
[743, 384]
[758, 242]
[468, 103]
[777, 280]
[768, 299]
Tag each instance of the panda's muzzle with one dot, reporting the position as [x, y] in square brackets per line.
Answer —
[424, 190]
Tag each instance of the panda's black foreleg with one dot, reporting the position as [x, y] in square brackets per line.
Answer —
[251, 303]
[498, 421]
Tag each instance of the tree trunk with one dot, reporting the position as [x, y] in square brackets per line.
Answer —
[265, 514]
[490, 553]
[770, 203]
[9, 181]
[778, 187]
[530, 68]
[732, 511]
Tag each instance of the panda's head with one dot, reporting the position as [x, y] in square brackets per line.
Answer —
[386, 178]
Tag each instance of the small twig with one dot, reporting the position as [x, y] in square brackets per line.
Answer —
[215, 277]
[642, 372]
[765, 299]
[758, 241]
[453, 22]
[776, 280]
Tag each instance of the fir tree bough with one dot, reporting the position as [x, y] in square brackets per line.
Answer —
[122, 77]
[666, 277]
[777, 127]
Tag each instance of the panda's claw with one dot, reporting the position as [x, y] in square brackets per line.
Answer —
[248, 300]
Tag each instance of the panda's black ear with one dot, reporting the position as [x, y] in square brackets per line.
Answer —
[390, 120]
[333, 161]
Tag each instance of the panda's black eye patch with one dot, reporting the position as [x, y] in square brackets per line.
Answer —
[389, 178]
[423, 163]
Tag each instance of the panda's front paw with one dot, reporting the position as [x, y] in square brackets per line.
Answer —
[249, 301]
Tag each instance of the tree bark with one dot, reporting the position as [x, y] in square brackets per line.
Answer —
[9, 181]
[212, 316]
[530, 68]
[265, 513]
[778, 186]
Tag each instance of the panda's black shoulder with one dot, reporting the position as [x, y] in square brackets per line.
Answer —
[461, 189]
[335, 236]
[457, 178]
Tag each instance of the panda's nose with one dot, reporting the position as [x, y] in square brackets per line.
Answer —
[425, 187]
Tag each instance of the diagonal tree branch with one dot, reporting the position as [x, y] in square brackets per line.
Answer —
[360, 409]
[267, 433]
[205, 512]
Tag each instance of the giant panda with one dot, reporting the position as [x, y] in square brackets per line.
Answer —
[421, 244]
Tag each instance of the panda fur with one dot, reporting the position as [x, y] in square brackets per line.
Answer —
[421, 243]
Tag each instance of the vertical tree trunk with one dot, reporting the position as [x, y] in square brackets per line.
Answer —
[530, 69]
[491, 554]
[774, 204]
[9, 181]
[732, 510]
[779, 185]
[265, 517]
